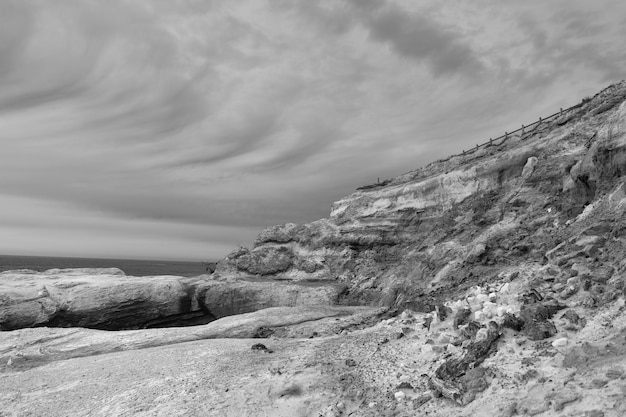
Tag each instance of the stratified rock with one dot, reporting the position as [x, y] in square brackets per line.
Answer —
[95, 298]
[264, 260]
[460, 220]
[225, 298]
[34, 347]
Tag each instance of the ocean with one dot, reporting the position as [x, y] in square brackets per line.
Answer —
[129, 266]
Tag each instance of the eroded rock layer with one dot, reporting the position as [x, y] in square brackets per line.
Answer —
[440, 228]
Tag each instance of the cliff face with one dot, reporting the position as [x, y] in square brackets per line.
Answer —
[459, 222]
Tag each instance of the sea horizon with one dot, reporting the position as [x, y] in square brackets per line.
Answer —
[132, 267]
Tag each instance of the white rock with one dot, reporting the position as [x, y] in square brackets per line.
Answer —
[572, 281]
[505, 288]
[560, 342]
[479, 315]
[406, 314]
[400, 396]
[501, 310]
[481, 298]
[482, 334]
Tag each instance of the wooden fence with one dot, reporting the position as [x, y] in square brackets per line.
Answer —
[514, 134]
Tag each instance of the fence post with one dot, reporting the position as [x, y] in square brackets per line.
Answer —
[523, 129]
[490, 141]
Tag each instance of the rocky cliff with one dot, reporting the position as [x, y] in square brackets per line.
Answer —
[459, 222]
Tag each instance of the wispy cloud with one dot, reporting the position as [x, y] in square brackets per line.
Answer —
[202, 122]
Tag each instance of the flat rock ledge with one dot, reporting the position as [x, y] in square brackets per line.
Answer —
[26, 348]
[107, 299]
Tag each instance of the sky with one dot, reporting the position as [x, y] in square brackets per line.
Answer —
[178, 129]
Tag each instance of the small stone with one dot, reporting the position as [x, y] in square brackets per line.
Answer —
[482, 334]
[511, 321]
[261, 347]
[372, 405]
[573, 281]
[520, 341]
[400, 396]
[573, 320]
[482, 298]
[438, 349]
[597, 289]
[560, 342]
[350, 362]
[616, 372]
[589, 302]
[568, 291]
[599, 383]
[421, 400]
[461, 317]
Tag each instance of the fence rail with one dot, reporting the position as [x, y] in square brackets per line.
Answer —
[515, 133]
[503, 138]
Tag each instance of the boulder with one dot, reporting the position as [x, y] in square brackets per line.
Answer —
[263, 260]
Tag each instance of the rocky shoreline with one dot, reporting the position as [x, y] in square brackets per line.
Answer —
[487, 284]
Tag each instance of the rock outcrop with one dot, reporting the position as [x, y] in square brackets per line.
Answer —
[96, 298]
[221, 298]
[107, 299]
[32, 347]
[429, 231]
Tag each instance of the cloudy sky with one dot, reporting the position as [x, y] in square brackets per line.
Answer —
[178, 129]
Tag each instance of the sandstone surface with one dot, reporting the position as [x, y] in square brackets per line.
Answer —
[94, 298]
[107, 299]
